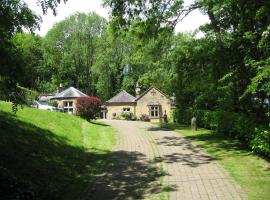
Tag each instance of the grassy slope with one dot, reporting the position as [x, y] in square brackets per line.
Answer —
[52, 155]
[249, 170]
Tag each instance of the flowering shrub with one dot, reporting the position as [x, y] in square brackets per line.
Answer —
[145, 118]
[88, 107]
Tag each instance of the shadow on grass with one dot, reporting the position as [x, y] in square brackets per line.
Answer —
[217, 142]
[98, 123]
[37, 164]
[212, 141]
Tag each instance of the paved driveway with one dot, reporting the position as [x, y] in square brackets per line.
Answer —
[153, 163]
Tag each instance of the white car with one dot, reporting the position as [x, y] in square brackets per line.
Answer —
[43, 106]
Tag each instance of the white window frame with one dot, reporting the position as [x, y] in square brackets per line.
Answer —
[69, 108]
[155, 110]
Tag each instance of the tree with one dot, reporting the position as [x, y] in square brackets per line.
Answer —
[14, 16]
[30, 48]
[88, 107]
[70, 50]
[154, 16]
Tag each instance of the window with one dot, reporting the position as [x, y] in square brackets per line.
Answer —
[126, 109]
[68, 106]
[154, 111]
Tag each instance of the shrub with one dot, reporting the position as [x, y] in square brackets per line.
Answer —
[144, 118]
[260, 141]
[88, 107]
[128, 115]
[53, 103]
[27, 96]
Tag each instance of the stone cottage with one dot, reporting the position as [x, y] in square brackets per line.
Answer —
[66, 99]
[152, 103]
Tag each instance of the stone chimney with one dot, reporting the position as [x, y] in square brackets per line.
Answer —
[138, 89]
[60, 88]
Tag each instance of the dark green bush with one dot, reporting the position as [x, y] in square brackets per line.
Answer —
[260, 142]
[53, 103]
[27, 96]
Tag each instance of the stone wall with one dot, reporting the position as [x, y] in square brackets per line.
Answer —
[117, 108]
[153, 96]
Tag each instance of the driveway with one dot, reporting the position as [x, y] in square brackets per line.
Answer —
[153, 163]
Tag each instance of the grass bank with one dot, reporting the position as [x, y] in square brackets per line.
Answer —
[249, 170]
[48, 155]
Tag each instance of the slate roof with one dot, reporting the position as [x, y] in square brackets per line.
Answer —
[71, 92]
[122, 97]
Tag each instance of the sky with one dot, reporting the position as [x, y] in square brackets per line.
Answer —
[190, 23]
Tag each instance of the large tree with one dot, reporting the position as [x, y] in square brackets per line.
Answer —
[70, 50]
[14, 17]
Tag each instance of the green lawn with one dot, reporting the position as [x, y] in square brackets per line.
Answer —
[49, 155]
[249, 170]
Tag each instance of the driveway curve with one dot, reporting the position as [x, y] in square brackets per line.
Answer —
[148, 162]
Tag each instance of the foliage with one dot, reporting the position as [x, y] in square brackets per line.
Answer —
[70, 50]
[144, 118]
[153, 16]
[88, 107]
[14, 17]
[30, 48]
[52, 102]
[128, 115]
[260, 141]
[40, 148]
[28, 96]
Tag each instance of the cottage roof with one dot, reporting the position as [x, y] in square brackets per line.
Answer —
[122, 97]
[70, 92]
[148, 91]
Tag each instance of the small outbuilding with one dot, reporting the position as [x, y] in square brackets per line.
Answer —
[67, 99]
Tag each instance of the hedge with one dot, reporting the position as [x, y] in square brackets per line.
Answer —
[236, 125]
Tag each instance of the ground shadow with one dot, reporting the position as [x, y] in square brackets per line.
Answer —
[37, 164]
[157, 128]
[190, 154]
[130, 175]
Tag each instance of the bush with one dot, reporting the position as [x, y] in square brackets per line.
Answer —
[88, 107]
[52, 102]
[144, 118]
[27, 96]
[128, 116]
[260, 141]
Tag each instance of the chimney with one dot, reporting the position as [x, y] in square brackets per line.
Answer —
[60, 88]
[137, 89]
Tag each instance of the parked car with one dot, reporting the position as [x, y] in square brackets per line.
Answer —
[43, 106]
